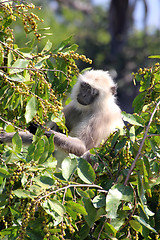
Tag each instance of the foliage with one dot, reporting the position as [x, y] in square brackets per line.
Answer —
[118, 198]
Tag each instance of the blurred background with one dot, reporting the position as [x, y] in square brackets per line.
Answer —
[118, 35]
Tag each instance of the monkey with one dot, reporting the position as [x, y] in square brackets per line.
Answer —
[91, 116]
[93, 113]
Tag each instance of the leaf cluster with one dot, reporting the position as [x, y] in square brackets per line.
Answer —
[115, 198]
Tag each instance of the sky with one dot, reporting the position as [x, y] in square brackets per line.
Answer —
[153, 18]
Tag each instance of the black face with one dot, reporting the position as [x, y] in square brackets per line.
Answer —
[87, 94]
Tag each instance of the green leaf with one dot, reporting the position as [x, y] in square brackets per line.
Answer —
[44, 181]
[68, 167]
[31, 109]
[143, 222]
[47, 47]
[39, 149]
[91, 212]
[99, 201]
[63, 44]
[78, 208]
[1, 54]
[4, 173]
[21, 193]
[57, 207]
[17, 143]
[134, 120]
[39, 64]
[19, 66]
[110, 229]
[51, 144]
[17, 78]
[136, 225]
[85, 171]
[114, 197]
[82, 193]
[10, 128]
[141, 192]
[44, 156]
[154, 56]
[138, 102]
[70, 48]
[120, 144]
[84, 231]
[132, 134]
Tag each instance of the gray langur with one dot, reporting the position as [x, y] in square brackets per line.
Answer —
[91, 116]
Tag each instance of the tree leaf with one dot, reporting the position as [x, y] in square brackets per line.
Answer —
[39, 149]
[57, 207]
[17, 143]
[132, 134]
[91, 212]
[10, 128]
[19, 66]
[31, 109]
[136, 225]
[143, 222]
[85, 171]
[99, 201]
[4, 173]
[47, 47]
[63, 44]
[134, 120]
[82, 193]
[114, 197]
[44, 181]
[39, 64]
[21, 193]
[78, 208]
[44, 155]
[68, 167]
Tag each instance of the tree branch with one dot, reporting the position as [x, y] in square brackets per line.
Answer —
[142, 143]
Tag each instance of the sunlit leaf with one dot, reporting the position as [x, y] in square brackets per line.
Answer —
[114, 197]
[143, 222]
[132, 134]
[134, 120]
[85, 171]
[17, 143]
[99, 201]
[19, 66]
[10, 128]
[136, 225]
[78, 208]
[57, 207]
[22, 193]
[47, 47]
[68, 167]
[31, 109]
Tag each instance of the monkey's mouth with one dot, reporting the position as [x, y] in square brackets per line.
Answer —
[82, 101]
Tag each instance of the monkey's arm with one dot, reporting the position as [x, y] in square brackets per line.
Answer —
[65, 143]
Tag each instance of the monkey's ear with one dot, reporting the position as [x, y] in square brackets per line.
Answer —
[114, 89]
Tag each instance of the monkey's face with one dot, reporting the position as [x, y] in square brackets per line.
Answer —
[93, 88]
[87, 94]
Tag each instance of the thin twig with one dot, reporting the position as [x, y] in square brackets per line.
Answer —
[69, 186]
[101, 229]
[142, 143]
[36, 69]
[12, 49]
[9, 123]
